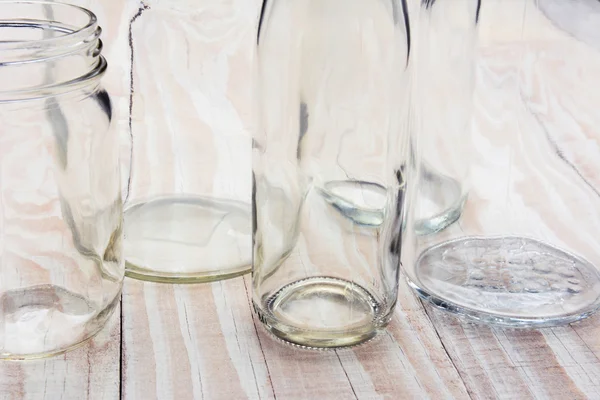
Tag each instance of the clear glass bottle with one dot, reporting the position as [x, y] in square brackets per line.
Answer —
[445, 93]
[61, 264]
[525, 252]
[329, 168]
[187, 212]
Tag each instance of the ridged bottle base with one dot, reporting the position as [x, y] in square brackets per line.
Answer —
[323, 312]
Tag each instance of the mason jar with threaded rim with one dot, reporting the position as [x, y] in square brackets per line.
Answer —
[61, 264]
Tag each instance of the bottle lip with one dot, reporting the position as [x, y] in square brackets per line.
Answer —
[76, 35]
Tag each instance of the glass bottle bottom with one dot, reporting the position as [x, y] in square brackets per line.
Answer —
[323, 312]
[508, 281]
[187, 239]
[45, 320]
[441, 201]
[362, 202]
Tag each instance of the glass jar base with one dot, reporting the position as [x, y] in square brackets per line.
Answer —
[508, 281]
[46, 320]
[323, 312]
[187, 239]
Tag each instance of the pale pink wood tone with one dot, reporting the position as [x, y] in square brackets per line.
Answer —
[191, 341]
[203, 341]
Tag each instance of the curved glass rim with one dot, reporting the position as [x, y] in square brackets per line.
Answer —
[77, 35]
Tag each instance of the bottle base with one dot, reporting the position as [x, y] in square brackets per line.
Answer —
[442, 200]
[508, 281]
[187, 239]
[46, 320]
[361, 202]
[322, 313]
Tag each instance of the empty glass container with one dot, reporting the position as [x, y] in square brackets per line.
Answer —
[524, 251]
[187, 213]
[445, 115]
[329, 168]
[61, 264]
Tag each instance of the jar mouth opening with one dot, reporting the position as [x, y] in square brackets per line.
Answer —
[38, 25]
[47, 48]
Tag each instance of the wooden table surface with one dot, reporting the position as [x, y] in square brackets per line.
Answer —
[203, 341]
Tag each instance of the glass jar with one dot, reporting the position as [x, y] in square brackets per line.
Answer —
[329, 168]
[524, 253]
[61, 264]
[187, 209]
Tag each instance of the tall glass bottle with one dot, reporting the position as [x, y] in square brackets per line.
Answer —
[525, 250]
[446, 81]
[329, 167]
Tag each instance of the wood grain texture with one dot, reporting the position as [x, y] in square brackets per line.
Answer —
[552, 363]
[203, 341]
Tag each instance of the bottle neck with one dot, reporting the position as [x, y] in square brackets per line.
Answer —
[47, 49]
